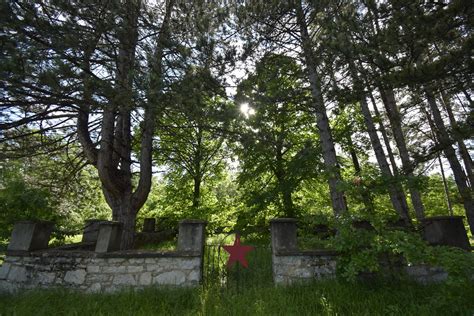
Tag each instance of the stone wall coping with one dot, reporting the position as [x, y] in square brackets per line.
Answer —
[92, 254]
[313, 253]
[31, 221]
[148, 254]
[283, 220]
[193, 221]
[110, 223]
[433, 218]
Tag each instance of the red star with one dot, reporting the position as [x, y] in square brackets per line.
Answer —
[237, 253]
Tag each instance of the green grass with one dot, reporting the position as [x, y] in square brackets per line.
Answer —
[323, 298]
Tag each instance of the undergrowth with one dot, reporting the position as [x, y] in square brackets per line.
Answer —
[322, 298]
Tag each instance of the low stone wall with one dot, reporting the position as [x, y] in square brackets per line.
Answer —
[426, 274]
[293, 267]
[30, 264]
[93, 272]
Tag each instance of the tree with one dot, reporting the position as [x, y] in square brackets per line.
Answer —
[81, 62]
[192, 131]
[276, 145]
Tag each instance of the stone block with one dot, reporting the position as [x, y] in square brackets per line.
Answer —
[17, 274]
[114, 269]
[149, 225]
[75, 276]
[283, 234]
[30, 235]
[109, 238]
[4, 269]
[191, 236]
[45, 277]
[145, 278]
[194, 276]
[124, 279]
[156, 268]
[91, 230]
[135, 269]
[94, 288]
[93, 269]
[170, 278]
[446, 231]
[189, 264]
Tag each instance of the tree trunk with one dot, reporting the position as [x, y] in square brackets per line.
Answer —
[388, 98]
[366, 198]
[113, 157]
[322, 121]
[450, 153]
[124, 212]
[288, 206]
[196, 193]
[386, 140]
[466, 157]
[397, 196]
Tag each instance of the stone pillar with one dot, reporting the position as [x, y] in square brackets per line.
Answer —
[91, 230]
[30, 235]
[283, 232]
[149, 225]
[110, 234]
[446, 231]
[191, 236]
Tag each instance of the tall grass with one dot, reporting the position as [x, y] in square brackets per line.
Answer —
[322, 298]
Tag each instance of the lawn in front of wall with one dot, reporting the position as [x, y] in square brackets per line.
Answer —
[323, 298]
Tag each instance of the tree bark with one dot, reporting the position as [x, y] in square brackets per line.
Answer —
[388, 98]
[386, 140]
[397, 196]
[366, 197]
[322, 121]
[450, 153]
[196, 192]
[466, 157]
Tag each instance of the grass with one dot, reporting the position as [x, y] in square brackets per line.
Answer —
[323, 298]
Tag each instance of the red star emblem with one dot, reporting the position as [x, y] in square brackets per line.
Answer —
[237, 253]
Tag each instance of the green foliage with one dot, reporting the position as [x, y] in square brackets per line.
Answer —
[384, 248]
[170, 201]
[277, 148]
[21, 201]
[37, 188]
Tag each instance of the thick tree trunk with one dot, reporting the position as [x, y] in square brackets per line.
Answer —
[124, 212]
[322, 121]
[450, 153]
[397, 196]
[113, 157]
[393, 114]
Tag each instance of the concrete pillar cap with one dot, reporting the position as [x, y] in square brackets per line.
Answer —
[283, 220]
[193, 221]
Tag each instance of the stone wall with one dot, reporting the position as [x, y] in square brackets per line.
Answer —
[290, 265]
[29, 265]
[94, 272]
[301, 266]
